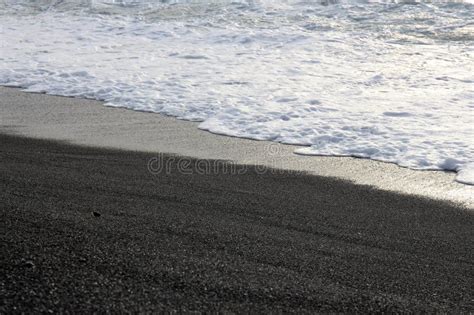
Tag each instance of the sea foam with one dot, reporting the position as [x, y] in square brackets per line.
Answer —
[387, 81]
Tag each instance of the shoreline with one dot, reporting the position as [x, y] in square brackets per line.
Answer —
[90, 123]
[93, 230]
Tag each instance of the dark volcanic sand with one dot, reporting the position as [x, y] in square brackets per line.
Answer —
[218, 241]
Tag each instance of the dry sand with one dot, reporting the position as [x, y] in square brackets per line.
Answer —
[90, 230]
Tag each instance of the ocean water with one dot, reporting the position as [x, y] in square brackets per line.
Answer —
[391, 81]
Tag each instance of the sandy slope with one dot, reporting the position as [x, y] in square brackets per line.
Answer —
[94, 230]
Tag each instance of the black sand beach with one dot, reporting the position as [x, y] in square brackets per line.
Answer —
[88, 229]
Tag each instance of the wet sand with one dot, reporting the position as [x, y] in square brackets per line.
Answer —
[88, 122]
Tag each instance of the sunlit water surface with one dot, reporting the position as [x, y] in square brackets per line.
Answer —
[390, 81]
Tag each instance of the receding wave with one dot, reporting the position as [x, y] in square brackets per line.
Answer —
[386, 80]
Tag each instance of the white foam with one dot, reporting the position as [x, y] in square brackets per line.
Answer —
[465, 174]
[344, 79]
